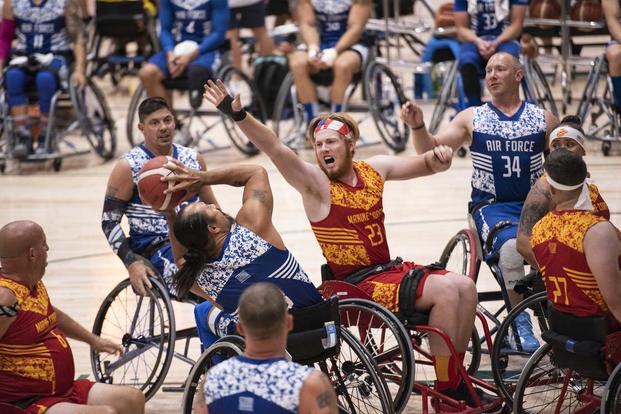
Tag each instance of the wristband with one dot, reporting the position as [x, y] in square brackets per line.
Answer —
[226, 108]
[421, 126]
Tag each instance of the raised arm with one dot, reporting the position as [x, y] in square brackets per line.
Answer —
[317, 395]
[538, 203]
[206, 194]
[306, 178]
[118, 193]
[358, 16]
[602, 248]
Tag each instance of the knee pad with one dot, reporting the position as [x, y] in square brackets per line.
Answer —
[47, 85]
[197, 78]
[511, 264]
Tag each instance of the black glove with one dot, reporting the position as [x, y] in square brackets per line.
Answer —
[226, 108]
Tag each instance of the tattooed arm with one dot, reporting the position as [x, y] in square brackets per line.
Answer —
[538, 203]
[75, 28]
[118, 193]
[317, 395]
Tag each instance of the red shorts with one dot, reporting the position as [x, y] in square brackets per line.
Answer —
[77, 394]
[383, 288]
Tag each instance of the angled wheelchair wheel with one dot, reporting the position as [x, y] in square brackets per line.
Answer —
[145, 326]
[385, 100]
[611, 402]
[289, 119]
[460, 255]
[385, 338]
[238, 83]
[355, 378]
[95, 119]
[545, 388]
[222, 349]
[537, 89]
[508, 355]
[131, 125]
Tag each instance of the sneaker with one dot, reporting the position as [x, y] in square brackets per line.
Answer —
[23, 147]
[41, 148]
[525, 330]
[461, 394]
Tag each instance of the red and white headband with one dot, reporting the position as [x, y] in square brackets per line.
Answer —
[334, 125]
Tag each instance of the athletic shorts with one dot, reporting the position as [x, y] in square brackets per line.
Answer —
[383, 288]
[248, 17]
[277, 7]
[209, 60]
[77, 394]
[488, 216]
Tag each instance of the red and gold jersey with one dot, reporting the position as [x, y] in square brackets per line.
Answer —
[353, 236]
[600, 207]
[35, 357]
[557, 242]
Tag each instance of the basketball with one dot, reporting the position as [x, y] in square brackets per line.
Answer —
[528, 45]
[587, 10]
[151, 187]
[545, 9]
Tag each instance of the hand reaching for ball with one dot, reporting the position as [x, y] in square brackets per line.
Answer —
[183, 179]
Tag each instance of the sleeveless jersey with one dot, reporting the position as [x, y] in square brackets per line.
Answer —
[40, 28]
[192, 19]
[331, 18]
[353, 234]
[245, 385]
[483, 17]
[146, 225]
[507, 152]
[557, 242]
[35, 357]
[246, 259]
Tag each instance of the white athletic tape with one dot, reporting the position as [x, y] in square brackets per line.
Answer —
[562, 187]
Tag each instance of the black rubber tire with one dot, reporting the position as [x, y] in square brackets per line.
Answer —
[463, 243]
[158, 333]
[57, 164]
[611, 401]
[97, 123]
[132, 116]
[288, 119]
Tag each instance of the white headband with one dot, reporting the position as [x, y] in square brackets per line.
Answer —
[568, 132]
[562, 187]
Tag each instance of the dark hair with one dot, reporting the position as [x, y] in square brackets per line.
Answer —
[573, 121]
[262, 310]
[150, 105]
[565, 167]
[191, 230]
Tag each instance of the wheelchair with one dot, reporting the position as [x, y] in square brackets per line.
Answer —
[600, 119]
[400, 348]
[354, 375]
[464, 254]
[146, 328]
[193, 119]
[379, 86]
[76, 115]
[568, 373]
[451, 99]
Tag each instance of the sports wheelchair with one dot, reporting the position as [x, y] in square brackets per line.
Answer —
[192, 118]
[464, 254]
[319, 339]
[600, 120]
[568, 372]
[75, 114]
[399, 345]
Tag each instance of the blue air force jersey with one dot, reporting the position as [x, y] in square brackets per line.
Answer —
[507, 152]
[192, 19]
[145, 224]
[40, 28]
[245, 385]
[247, 259]
[331, 18]
[484, 21]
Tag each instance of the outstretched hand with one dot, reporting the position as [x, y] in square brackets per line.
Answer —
[216, 93]
[412, 114]
[184, 179]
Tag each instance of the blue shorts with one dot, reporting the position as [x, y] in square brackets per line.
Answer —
[248, 17]
[469, 53]
[209, 60]
[488, 216]
[164, 261]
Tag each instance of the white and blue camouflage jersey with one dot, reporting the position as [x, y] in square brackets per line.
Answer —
[484, 20]
[145, 224]
[245, 385]
[40, 28]
[247, 259]
[331, 18]
[507, 152]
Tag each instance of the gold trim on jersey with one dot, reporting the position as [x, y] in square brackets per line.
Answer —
[568, 228]
[27, 302]
[386, 294]
[345, 254]
[336, 235]
[363, 198]
[41, 369]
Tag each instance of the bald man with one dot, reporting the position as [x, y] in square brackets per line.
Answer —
[36, 362]
[507, 138]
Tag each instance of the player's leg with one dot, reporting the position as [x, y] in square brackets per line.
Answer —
[469, 63]
[301, 71]
[613, 54]
[346, 65]
[15, 84]
[124, 400]
[153, 74]
[47, 82]
[254, 19]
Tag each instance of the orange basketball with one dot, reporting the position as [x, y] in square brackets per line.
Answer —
[528, 45]
[545, 9]
[587, 10]
[151, 187]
